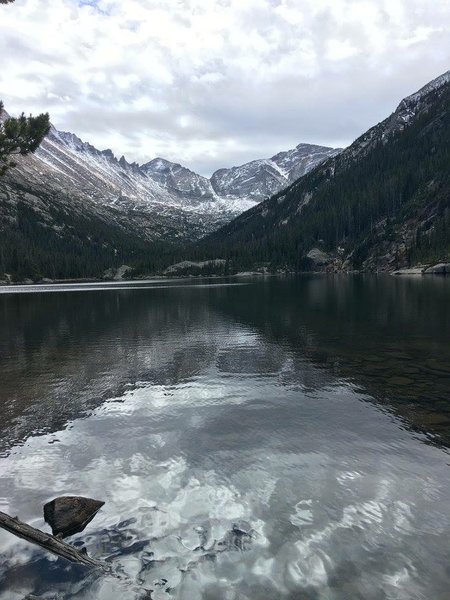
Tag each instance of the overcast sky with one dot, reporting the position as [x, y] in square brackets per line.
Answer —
[214, 83]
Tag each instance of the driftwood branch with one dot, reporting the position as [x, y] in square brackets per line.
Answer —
[47, 541]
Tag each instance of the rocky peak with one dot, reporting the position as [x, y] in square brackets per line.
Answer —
[262, 178]
[179, 180]
[109, 154]
[158, 164]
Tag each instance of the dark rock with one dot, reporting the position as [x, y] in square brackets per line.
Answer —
[68, 515]
[238, 538]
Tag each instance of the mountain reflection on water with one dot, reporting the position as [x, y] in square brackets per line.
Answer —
[280, 439]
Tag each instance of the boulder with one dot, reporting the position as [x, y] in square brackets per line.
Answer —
[121, 272]
[318, 256]
[439, 269]
[68, 515]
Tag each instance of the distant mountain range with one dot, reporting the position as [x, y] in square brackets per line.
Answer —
[182, 204]
[383, 203]
[79, 209]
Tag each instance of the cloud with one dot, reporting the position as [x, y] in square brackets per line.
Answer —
[212, 83]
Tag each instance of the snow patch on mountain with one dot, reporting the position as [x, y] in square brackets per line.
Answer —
[406, 112]
[433, 85]
[260, 179]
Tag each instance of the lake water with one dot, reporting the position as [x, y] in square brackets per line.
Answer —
[252, 439]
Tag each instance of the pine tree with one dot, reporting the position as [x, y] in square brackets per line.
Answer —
[6, 1]
[20, 136]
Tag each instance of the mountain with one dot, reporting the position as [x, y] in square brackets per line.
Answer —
[259, 179]
[170, 209]
[382, 203]
[71, 209]
[179, 203]
[180, 181]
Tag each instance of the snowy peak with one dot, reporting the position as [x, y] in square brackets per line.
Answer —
[253, 181]
[74, 142]
[65, 163]
[262, 178]
[158, 165]
[256, 180]
[302, 159]
[166, 191]
[233, 190]
[179, 180]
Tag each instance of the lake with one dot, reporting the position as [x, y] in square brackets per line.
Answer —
[253, 439]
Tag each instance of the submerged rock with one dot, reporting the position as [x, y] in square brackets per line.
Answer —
[238, 538]
[68, 515]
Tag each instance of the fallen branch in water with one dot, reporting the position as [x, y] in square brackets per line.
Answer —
[48, 542]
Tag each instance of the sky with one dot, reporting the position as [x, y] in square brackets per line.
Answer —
[215, 83]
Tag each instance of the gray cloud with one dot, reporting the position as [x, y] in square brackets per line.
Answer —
[216, 83]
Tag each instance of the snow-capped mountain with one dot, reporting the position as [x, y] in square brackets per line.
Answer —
[179, 203]
[260, 179]
[179, 180]
[377, 205]
[228, 192]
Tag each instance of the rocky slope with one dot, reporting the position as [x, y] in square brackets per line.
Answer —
[180, 181]
[383, 203]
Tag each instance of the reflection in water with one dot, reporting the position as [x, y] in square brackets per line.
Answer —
[256, 441]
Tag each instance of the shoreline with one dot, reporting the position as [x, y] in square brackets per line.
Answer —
[440, 269]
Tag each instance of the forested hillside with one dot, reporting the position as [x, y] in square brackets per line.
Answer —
[52, 236]
[383, 203]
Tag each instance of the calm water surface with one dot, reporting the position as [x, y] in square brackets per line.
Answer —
[278, 439]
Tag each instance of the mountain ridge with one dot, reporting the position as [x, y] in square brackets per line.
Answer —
[364, 207]
[70, 201]
[78, 166]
